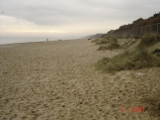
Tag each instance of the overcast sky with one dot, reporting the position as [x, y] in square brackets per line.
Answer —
[70, 17]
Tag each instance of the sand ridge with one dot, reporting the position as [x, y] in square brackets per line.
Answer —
[58, 80]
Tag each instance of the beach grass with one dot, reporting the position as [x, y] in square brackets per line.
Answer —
[141, 57]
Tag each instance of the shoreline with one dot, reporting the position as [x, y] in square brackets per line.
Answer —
[17, 43]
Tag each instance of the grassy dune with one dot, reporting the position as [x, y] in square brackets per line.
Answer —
[139, 58]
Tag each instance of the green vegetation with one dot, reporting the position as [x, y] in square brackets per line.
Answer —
[112, 40]
[100, 41]
[111, 44]
[148, 41]
[110, 47]
[103, 48]
[139, 58]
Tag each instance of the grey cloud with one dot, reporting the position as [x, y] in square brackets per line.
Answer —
[62, 12]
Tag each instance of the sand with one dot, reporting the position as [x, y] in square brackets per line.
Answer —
[58, 81]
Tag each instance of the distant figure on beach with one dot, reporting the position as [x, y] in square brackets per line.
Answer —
[47, 39]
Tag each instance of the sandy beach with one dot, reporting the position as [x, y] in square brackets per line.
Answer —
[58, 81]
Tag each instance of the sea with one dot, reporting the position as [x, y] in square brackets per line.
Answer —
[12, 40]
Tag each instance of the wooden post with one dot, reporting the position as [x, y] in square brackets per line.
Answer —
[150, 30]
[157, 30]
[144, 30]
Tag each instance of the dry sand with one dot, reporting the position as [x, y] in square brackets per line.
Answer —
[58, 81]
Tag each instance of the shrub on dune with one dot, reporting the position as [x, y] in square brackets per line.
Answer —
[139, 58]
[130, 61]
[112, 44]
[103, 48]
[148, 40]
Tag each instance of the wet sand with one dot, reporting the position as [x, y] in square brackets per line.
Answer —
[58, 81]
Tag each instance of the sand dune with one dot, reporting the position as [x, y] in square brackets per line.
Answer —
[58, 81]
